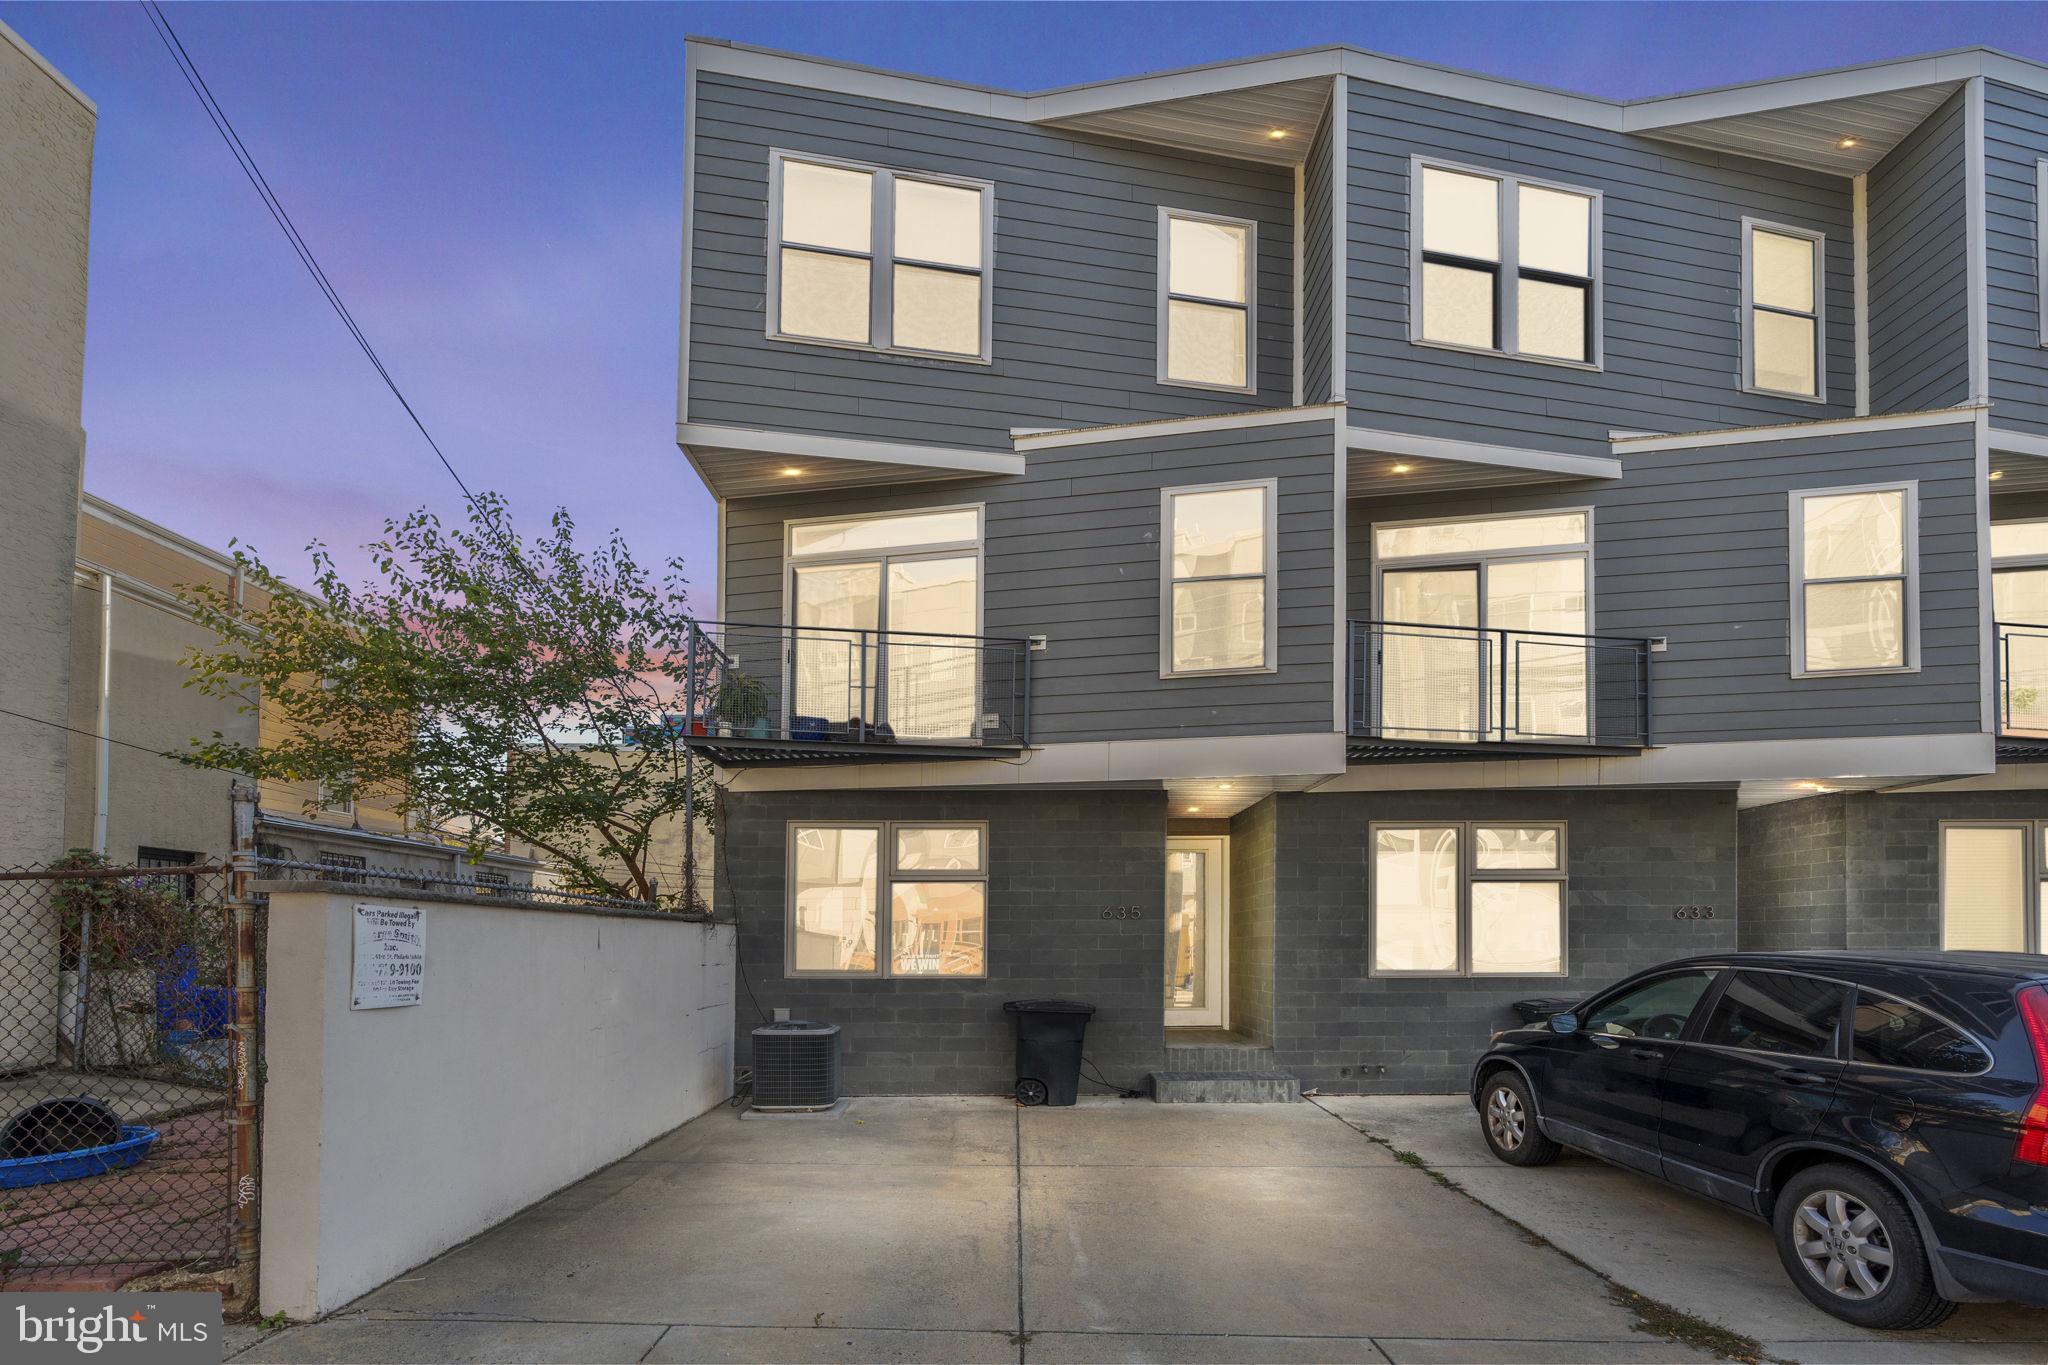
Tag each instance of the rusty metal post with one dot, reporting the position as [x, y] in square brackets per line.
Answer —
[243, 1170]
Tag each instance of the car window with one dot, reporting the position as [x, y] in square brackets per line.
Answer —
[1655, 1009]
[1891, 1032]
[1777, 1012]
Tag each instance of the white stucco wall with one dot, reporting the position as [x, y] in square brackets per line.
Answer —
[548, 1044]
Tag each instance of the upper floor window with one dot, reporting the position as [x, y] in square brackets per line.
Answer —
[887, 260]
[1505, 264]
[1854, 571]
[1782, 272]
[1206, 312]
[1216, 579]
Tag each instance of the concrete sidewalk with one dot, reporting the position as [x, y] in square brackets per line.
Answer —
[968, 1230]
[1687, 1252]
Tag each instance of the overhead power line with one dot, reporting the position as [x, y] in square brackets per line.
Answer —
[95, 736]
[204, 94]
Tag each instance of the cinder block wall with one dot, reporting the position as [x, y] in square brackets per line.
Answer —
[1057, 860]
[1634, 858]
[1793, 892]
[1253, 843]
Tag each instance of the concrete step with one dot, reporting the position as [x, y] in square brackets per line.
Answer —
[1224, 1087]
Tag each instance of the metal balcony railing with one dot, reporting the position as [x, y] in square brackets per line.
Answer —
[769, 691]
[2022, 668]
[1424, 686]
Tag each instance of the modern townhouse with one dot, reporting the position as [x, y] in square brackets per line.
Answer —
[1306, 551]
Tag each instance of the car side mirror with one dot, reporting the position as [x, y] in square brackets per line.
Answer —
[1564, 1023]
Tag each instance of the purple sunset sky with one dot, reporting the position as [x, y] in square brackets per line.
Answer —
[496, 192]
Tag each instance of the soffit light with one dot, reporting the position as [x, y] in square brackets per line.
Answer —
[1998, 473]
[1846, 143]
[792, 472]
[1403, 468]
[1277, 134]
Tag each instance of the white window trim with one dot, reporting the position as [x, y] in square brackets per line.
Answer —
[2031, 872]
[1507, 302]
[1909, 596]
[885, 877]
[1270, 572]
[881, 257]
[1251, 298]
[1469, 872]
[1750, 226]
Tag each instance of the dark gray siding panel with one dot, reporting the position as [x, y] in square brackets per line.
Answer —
[1072, 552]
[1318, 259]
[1694, 545]
[1919, 270]
[1076, 271]
[1673, 282]
[2016, 139]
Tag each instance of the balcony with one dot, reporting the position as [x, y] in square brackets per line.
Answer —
[2022, 690]
[809, 694]
[1425, 692]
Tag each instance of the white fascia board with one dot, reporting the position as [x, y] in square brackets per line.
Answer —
[845, 78]
[43, 64]
[1487, 90]
[817, 447]
[1794, 431]
[1072, 102]
[1133, 763]
[2018, 443]
[1478, 452]
[1028, 440]
[1670, 111]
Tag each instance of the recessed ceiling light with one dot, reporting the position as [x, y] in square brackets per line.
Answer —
[1403, 468]
[792, 472]
[1277, 134]
[1998, 473]
[1225, 786]
[1846, 143]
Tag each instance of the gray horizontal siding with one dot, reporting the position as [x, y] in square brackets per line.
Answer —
[1919, 288]
[2015, 140]
[1672, 226]
[1694, 545]
[1072, 553]
[1074, 319]
[1318, 259]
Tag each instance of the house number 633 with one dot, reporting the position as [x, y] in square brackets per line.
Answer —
[1124, 912]
[1693, 912]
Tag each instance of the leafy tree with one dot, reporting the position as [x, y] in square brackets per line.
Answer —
[487, 686]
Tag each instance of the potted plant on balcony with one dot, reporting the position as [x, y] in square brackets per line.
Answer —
[741, 704]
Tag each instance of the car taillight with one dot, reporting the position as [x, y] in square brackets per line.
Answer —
[2033, 1148]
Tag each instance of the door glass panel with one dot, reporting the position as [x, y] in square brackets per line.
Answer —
[1187, 948]
[933, 683]
[937, 928]
[1415, 900]
[1984, 888]
[2020, 604]
[1517, 928]
[1432, 682]
[836, 877]
[2019, 539]
[1777, 1012]
[909, 530]
[1655, 1009]
[833, 671]
[1546, 678]
[1480, 537]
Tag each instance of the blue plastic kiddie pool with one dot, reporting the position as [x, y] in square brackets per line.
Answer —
[16, 1172]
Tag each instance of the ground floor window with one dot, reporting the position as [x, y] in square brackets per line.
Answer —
[1994, 886]
[931, 877]
[1468, 899]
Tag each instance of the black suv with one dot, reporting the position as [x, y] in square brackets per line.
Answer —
[1886, 1113]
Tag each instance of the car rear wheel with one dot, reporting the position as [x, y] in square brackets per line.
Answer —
[1507, 1117]
[1852, 1247]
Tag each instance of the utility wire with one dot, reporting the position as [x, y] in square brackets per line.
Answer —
[201, 91]
[95, 735]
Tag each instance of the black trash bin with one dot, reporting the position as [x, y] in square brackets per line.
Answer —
[1049, 1049]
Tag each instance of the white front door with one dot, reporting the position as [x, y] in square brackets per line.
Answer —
[1197, 931]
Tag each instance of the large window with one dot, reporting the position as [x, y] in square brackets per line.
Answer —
[887, 609]
[1854, 580]
[1207, 312]
[881, 259]
[880, 899]
[1216, 579]
[1992, 892]
[1502, 263]
[1783, 270]
[1466, 899]
[2019, 597]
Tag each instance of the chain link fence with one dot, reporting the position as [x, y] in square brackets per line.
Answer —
[118, 1073]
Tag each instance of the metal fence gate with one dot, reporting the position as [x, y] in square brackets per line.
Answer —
[129, 1067]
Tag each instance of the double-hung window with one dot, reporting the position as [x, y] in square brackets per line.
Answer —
[2019, 598]
[932, 877]
[1207, 314]
[1992, 886]
[1216, 577]
[883, 259]
[1854, 580]
[1782, 273]
[1468, 899]
[1503, 263]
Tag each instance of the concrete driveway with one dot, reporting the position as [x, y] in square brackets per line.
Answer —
[968, 1230]
[1686, 1252]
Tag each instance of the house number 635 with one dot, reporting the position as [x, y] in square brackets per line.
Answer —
[1124, 912]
